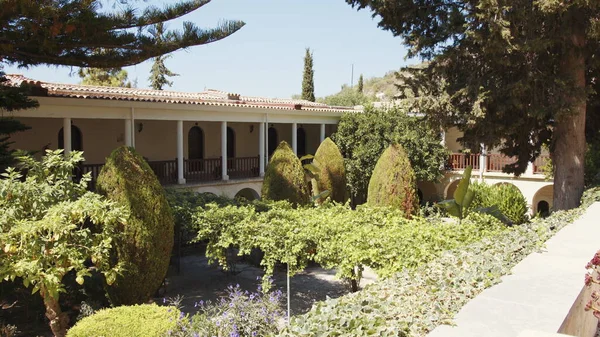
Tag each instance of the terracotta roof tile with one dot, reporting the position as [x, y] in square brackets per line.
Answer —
[207, 97]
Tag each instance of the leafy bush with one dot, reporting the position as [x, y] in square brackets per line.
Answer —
[333, 235]
[284, 178]
[332, 175]
[240, 313]
[51, 226]
[506, 197]
[147, 238]
[362, 138]
[414, 302]
[146, 320]
[393, 182]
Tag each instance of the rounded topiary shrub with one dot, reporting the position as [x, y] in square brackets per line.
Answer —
[147, 320]
[393, 181]
[284, 178]
[332, 174]
[511, 202]
[147, 238]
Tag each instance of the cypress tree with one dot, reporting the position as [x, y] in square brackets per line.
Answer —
[159, 72]
[109, 77]
[308, 85]
[360, 84]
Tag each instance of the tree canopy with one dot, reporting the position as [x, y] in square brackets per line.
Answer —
[110, 77]
[159, 73]
[509, 73]
[71, 32]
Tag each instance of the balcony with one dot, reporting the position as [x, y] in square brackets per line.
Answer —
[494, 162]
[194, 170]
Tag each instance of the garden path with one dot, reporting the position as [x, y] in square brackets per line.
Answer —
[540, 291]
[200, 281]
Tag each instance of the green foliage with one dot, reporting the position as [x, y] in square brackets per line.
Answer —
[463, 197]
[361, 84]
[507, 198]
[284, 178]
[415, 301]
[55, 32]
[308, 83]
[51, 226]
[160, 72]
[8, 126]
[147, 238]
[393, 182]
[147, 320]
[332, 235]
[362, 138]
[346, 97]
[332, 173]
[111, 77]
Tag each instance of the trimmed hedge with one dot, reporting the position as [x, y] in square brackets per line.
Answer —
[147, 238]
[507, 197]
[147, 320]
[284, 178]
[332, 175]
[415, 301]
[393, 182]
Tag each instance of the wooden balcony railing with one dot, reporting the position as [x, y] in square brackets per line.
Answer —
[194, 170]
[496, 162]
[539, 163]
[460, 161]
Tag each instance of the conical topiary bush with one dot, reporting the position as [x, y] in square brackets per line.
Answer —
[284, 178]
[147, 238]
[332, 173]
[393, 181]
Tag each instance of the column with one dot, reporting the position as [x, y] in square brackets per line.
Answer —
[67, 135]
[482, 160]
[224, 151]
[443, 140]
[180, 177]
[322, 134]
[128, 133]
[261, 149]
[295, 138]
[529, 170]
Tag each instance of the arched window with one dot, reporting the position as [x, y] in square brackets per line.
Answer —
[195, 143]
[230, 143]
[76, 139]
[273, 140]
[301, 139]
[543, 208]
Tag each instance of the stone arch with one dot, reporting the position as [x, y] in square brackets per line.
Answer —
[76, 139]
[450, 188]
[248, 194]
[543, 194]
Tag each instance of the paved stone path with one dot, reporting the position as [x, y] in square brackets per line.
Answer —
[540, 291]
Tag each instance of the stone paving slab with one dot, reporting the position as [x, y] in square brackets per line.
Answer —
[540, 291]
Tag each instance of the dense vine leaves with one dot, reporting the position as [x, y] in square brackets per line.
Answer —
[510, 73]
[71, 32]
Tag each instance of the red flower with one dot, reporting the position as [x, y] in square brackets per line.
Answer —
[588, 279]
[589, 305]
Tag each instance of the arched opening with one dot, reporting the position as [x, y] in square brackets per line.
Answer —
[196, 143]
[230, 143]
[420, 195]
[450, 189]
[76, 139]
[248, 194]
[301, 139]
[273, 140]
[428, 191]
[542, 200]
[543, 208]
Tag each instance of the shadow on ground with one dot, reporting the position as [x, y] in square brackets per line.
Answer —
[200, 281]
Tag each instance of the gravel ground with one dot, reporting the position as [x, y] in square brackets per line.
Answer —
[198, 280]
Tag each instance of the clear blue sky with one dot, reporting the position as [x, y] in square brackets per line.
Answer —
[265, 58]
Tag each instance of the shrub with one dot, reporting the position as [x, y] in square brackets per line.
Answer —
[284, 178]
[332, 175]
[146, 320]
[240, 313]
[507, 197]
[147, 238]
[393, 182]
